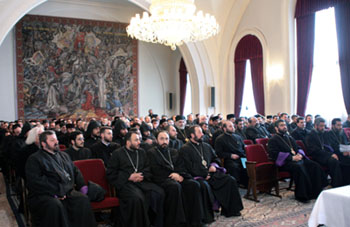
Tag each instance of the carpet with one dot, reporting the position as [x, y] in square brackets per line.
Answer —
[270, 211]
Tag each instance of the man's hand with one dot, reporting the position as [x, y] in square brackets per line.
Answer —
[212, 169]
[177, 177]
[149, 141]
[297, 157]
[62, 198]
[346, 153]
[136, 177]
[335, 156]
[208, 177]
[234, 156]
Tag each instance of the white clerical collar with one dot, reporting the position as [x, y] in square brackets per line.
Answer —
[105, 143]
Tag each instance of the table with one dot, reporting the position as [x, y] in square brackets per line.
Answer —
[332, 208]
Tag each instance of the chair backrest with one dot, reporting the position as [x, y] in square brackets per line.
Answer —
[347, 132]
[248, 142]
[256, 153]
[262, 141]
[301, 145]
[93, 170]
[62, 147]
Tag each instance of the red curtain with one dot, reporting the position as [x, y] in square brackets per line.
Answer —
[249, 47]
[307, 7]
[183, 85]
[258, 84]
[239, 84]
[342, 16]
[305, 56]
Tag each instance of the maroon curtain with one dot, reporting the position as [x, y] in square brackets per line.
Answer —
[239, 84]
[183, 85]
[342, 16]
[305, 56]
[249, 47]
[258, 84]
[307, 7]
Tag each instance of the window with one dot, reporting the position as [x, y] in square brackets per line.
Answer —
[325, 95]
[188, 99]
[248, 103]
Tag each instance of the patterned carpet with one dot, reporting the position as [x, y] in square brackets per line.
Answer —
[270, 211]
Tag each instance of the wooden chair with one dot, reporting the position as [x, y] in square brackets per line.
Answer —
[262, 172]
[262, 141]
[94, 170]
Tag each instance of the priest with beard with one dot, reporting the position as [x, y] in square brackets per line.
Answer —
[92, 134]
[183, 202]
[128, 170]
[230, 147]
[334, 138]
[77, 151]
[119, 132]
[52, 180]
[174, 142]
[308, 175]
[217, 188]
[104, 148]
[300, 132]
[180, 126]
[324, 154]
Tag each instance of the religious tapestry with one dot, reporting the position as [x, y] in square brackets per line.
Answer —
[70, 68]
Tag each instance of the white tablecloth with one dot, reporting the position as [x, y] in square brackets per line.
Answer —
[332, 208]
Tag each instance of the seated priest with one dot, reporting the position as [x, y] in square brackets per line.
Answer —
[230, 147]
[77, 151]
[52, 180]
[336, 138]
[128, 170]
[183, 202]
[308, 175]
[202, 164]
[322, 153]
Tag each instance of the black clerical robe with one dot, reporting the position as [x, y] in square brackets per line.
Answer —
[322, 153]
[300, 134]
[226, 145]
[183, 202]
[104, 150]
[181, 134]
[81, 154]
[334, 138]
[175, 143]
[308, 175]
[346, 124]
[90, 141]
[137, 199]
[53, 176]
[253, 133]
[241, 133]
[220, 186]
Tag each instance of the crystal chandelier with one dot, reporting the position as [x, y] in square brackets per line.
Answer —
[172, 22]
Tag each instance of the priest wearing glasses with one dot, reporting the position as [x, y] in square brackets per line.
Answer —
[128, 170]
[217, 187]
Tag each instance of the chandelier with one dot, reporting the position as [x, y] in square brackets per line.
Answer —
[172, 23]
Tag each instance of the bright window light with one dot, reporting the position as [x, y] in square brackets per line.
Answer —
[326, 96]
[188, 99]
[248, 103]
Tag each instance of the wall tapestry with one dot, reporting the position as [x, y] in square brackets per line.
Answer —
[70, 68]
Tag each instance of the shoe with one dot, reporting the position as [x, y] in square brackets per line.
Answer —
[237, 214]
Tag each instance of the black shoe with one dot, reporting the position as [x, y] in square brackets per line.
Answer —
[237, 214]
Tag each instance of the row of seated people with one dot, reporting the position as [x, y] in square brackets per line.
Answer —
[186, 183]
[228, 145]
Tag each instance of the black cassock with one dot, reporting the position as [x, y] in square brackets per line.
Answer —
[81, 154]
[226, 145]
[104, 151]
[137, 200]
[322, 154]
[219, 187]
[334, 139]
[183, 201]
[52, 176]
[308, 175]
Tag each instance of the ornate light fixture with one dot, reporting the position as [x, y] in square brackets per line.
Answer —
[172, 22]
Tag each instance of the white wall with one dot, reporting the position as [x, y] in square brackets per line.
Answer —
[157, 66]
[8, 95]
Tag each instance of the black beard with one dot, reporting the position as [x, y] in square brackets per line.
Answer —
[163, 147]
[198, 140]
[281, 132]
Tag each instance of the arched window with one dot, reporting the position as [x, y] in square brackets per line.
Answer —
[249, 48]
